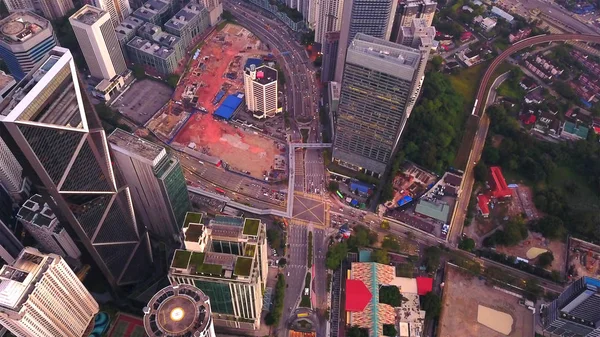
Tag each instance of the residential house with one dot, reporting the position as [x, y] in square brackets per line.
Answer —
[535, 96]
[574, 131]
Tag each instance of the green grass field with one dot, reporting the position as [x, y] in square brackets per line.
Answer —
[581, 196]
[466, 83]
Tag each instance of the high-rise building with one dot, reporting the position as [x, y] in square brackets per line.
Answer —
[215, 9]
[118, 9]
[314, 7]
[41, 296]
[328, 18]
[54, 126]
[10, 246]
[50, 9]
[330, 53]
[41, 223]
[26, 39]
[157, 184]
[227, 260]
[98, 41]
[408, 10]
[11, 172]
[575, 312]
[416, 35]
[371, 17]
[180, 310]
[260, 86]
[379, 79]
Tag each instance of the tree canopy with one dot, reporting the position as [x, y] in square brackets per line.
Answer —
[390, 295]
[434, 130]
[432, 305]
[544, 260]
[381, 256]
[335, 255]
[550, 226]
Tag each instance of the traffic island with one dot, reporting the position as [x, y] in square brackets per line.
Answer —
[305, 301]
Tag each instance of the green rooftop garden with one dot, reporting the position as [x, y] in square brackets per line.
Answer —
[197, 259]
[243, 265]
[191, 217]
[212, 269]
[250, 249]
[251, 226]
[181, 259]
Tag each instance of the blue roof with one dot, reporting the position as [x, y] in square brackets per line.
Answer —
[361, 187]
[229, 105]
[592, 281]
[354, 202]
[256, 62]
[405, 199]
[364, 255]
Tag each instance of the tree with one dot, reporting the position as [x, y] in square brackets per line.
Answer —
[282, 262]
[533, 289]
[333, 186]
[481, 172]
[361, 237]
[389, 330]
[227, 16]
[390, 243]
[565, 90]
[544, 260]
[432, 258]
[514, 232]
[335, 255]
[385, 225]
[437, 62]
[550, 226]
[274, 315]
[138, 71]
[390, 295]
[274, 237]
[381, 256]
[432, 305]
[172, 80]
[467, 244]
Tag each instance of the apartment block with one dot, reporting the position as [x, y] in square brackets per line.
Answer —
[118, 9]
[189, 23]
[151, 54]
[260, 85]
[50, 9]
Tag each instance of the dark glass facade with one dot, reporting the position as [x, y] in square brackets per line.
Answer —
[221, 301]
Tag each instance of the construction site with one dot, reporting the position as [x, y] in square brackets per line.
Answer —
[583, 259]
[208, 95]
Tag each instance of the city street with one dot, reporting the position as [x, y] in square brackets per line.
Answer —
[295, 272]
[314, 172]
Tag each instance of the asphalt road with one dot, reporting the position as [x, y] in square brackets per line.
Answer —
[314, 169]
[295, 272]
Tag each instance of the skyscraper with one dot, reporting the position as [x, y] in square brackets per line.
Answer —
[118, 9]
[26, 39]
[575, 312]
[41, 223]
[58, 132]
[260, 86]
[11, 172]
[330, 53]
[370, 17]
[50, 9]
[180, 310]
[328, 18]
[98, 41]
[379, 79]
[227, 260]
[157, 184]
[41, 296]
[408, 10]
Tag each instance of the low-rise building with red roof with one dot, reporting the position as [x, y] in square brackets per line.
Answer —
[498, 185]
[483, 205]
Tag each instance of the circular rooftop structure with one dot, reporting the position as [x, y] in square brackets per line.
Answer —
[13, 28]
[179, 311]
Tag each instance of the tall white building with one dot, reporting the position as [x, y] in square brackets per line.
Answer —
[41, 296]
[41, 223]
[158, 187]
[101, 49]
[260, 85]
[328, 18]
[118, 9]
[50, 9]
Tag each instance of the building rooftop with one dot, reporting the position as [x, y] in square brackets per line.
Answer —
[37, 212]
[19, 27]
[335, 90]
[436, 210]
[151, 48]
[383, 49]
[184, 16]
[6, 81]
[127, 26]
[192, 217]
[251, 226]
[181, 310]
[136, 146]
[88, 15]
[265, 75]
[151, 8]
[19, 280]
[64, 110]
[193, 232]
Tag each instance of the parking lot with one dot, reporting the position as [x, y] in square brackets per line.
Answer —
[143, 99]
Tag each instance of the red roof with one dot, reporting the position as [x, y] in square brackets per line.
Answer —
[482, 202]
[597, 129]
[498, 184]
[357, 295]
[424, 285]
